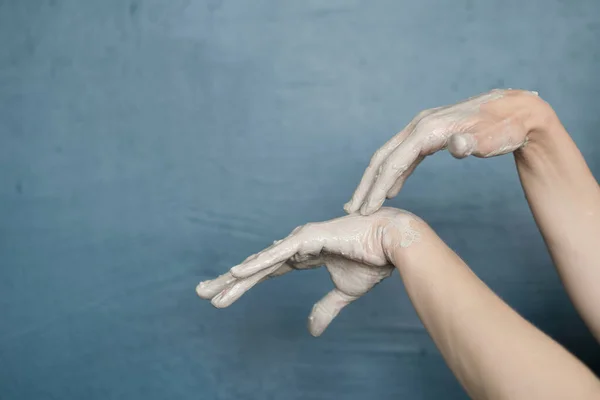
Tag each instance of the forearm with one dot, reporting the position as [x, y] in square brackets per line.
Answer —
[493, 352]
[565, 200]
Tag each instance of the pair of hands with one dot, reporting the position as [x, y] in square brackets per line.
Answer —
[356, 248]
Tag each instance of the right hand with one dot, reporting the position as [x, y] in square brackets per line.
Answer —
[487, 125]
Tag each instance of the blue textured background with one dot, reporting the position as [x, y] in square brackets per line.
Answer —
[148, 145]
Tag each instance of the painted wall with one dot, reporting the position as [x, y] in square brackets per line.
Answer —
[148, 145]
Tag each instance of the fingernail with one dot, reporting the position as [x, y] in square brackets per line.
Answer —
[313, 329]
[235, 271]
[200, 289]
[314, 333]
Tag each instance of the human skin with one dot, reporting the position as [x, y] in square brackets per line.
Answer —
[493, 351]
[351, 248]
[560, 189]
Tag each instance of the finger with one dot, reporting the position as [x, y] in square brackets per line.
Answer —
[233, 292]
[370, 173]
[395, 189]
[500, 138]
[284, 269]
[275, 242]
[465, 144]
[293, 266]
[276, 254]
[461, 145]
[397, 164]
[208, 289]
[377, 160]
[236, 289]
[326, 309]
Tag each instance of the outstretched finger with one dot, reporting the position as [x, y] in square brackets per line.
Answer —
[284, 269]
[326, 309]
[208, 289]
[276, 254]
[380, 156]
[237, 288]
[396, 165]
[233, 292]
[370, 174]
[395, 189]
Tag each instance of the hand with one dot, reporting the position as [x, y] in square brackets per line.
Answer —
[487, 125]
[355, 249]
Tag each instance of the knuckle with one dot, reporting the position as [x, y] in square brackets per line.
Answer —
[376, 158]
[393, 167]
[427, 120]
[422, 114]
[387, 174]
[306, 229]
[430, 126]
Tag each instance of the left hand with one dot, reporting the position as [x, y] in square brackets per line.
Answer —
[354, 249]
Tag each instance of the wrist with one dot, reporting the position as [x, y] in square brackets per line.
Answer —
[541, 120]
[400, 235]
[406, 239]
[546, 137]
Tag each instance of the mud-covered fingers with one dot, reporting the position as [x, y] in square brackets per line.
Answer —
[326, 309]
[208, 289]
[236, 289]
[395, 189]
[280, 252]
[397, 164]
[370, 174]
[232, 292]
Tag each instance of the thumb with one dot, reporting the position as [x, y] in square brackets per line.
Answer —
[493, 141]
[462, 145]
[326, 309]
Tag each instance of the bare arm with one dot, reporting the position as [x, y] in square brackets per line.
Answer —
[560, 189]
[493, 351]
[565, 200]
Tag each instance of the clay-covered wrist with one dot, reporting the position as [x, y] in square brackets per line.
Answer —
[400, 234]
